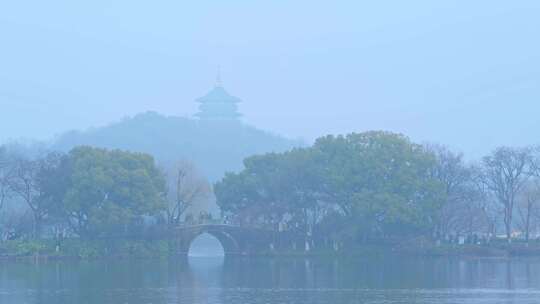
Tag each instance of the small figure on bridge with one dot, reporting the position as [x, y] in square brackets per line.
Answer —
[189, 219]
[204, 217]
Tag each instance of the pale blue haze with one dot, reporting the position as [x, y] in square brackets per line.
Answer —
[464, 73]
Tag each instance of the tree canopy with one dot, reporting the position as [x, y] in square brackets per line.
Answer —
[110, 189]
[378, 183]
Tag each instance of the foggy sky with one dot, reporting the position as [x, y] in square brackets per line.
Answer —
[463, 73]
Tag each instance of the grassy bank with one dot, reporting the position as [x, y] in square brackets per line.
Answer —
[495, 249]
[97, 249]
[83, 249]
[426, 250]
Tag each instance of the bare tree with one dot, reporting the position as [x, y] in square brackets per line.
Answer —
[461, 212]
[505, 173]
[186, 188]
[30, 180]
[528, 206]
[491, 210]
[535, 162]
[24, 184]
[470, 215]
[6, 172]
[15, 224]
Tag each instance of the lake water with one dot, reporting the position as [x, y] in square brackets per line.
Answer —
[265, 280]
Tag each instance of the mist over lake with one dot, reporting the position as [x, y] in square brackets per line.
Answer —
[264, 151]
[214, 280]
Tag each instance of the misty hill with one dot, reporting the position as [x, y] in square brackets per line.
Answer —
[213, 146]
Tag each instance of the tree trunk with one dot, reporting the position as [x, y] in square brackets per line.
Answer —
[508, 231]
[527, 223]
[508, 222]
[37, 227]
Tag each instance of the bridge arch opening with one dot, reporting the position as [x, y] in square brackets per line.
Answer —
[207, 244]
[231, 240]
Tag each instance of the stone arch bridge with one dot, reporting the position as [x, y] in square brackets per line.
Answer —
[236, 240]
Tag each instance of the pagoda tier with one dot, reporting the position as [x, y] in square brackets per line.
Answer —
[218, 105]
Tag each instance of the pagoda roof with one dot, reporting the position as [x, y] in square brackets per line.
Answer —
[218, 94]
[218, 116]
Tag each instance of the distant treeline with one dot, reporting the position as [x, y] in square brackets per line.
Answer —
[342, 189]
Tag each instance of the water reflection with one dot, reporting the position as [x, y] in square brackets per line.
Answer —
[241, 280]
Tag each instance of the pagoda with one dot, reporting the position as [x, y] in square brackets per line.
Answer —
[218, 104]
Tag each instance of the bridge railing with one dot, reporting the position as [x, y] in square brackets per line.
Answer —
[220, 222]
[202, 222]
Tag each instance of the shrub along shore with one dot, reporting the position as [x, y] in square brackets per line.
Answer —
[150, 249]
[83, 249]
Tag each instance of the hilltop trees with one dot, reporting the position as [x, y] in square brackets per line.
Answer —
[214, 147]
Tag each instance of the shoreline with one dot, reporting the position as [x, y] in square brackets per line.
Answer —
[454, 251]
